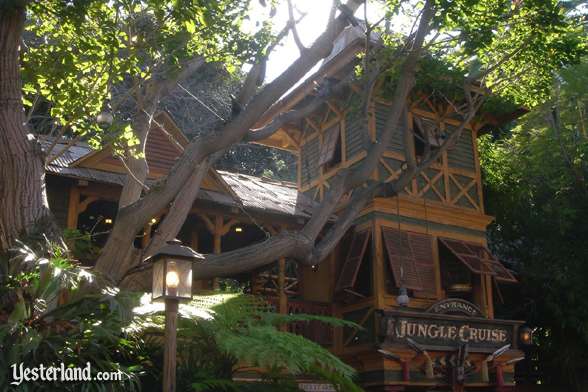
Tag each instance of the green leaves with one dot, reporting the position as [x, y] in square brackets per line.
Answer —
[84, 55]
[521, 44]
[46, 327]
[535, 176]
[218, 331]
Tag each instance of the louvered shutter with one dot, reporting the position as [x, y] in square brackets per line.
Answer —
[330, 139]
[401, 259]
[422, 249]
[428, 127]
[353, 260]
[478, 259]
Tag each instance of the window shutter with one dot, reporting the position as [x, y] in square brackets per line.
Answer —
[352, 263]
[330, 138]
[401, 259]
[478, 259]
[426, 126]
[422, 248]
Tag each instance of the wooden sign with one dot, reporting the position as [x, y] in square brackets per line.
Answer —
[445, 332]
[316, 387]
[455, 306]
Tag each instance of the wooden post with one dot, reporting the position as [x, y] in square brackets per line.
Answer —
[169, 353]
[499, 377]
[437, 263]
[405, 370]
[489, 296]
[72, 208]
[379, 267]
[218, 235]
[283, 298]
[146, 236]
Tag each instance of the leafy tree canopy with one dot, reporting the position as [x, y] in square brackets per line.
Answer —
[100, 45]
[536, 187]
[513, 48]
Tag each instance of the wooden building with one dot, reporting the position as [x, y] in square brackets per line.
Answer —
[414, 271]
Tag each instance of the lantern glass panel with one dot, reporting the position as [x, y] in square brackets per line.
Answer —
[178, 279]
[158, 279]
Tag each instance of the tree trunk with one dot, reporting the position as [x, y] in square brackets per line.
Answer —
[137, 165]
[23, 200]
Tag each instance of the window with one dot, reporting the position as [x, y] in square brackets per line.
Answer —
[425, 129]
[330, 152]
[355, 276]
[410, 256]
[464, 266]
[478, 259]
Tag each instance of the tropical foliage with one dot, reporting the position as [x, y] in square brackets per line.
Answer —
[221, 334]
[536, 186]
[48, 319]
[51, 314]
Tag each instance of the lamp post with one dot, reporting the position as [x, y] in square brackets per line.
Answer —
[172, 282]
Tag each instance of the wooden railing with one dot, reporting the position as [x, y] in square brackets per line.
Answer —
[316, 331]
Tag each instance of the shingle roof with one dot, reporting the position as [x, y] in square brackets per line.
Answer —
[269, 195]
[253, 193]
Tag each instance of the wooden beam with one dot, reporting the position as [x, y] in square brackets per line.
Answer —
[146, 236]
[283, 298]
[437, 263]
[379, 267]
[489, 296]
[217, 235]
[72, 208]
[82, 206]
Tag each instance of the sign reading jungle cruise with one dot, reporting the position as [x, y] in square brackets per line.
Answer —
[445, 331]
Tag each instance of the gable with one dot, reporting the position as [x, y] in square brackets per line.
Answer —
[165, 144]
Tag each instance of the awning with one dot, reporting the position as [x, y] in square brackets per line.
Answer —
[478, 259]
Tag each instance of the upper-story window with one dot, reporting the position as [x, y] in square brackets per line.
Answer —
[330, 153]
[426, 129]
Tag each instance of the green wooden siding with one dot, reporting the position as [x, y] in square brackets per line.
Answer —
[309, 157]
[382, 112]
[462, 154]
[356, 133]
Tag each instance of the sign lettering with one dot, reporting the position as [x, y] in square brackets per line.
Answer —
[443, 331]
[455, 306]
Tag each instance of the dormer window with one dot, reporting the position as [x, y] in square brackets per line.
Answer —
[330, 152]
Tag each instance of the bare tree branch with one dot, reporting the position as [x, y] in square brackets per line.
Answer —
[256, 74]
[292, 116]
[135, 215]
[293, 28]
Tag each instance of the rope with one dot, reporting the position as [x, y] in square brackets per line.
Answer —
[201, 103]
